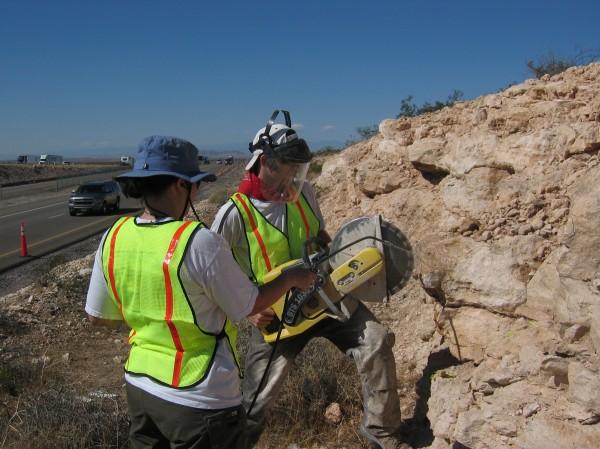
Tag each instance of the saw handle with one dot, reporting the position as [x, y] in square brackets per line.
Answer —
[306, 256]
[313, 264]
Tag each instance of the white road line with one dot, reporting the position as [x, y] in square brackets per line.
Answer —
[55, 216]
[30, 210]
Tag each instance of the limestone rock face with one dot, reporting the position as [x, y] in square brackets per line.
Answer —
[500, 197]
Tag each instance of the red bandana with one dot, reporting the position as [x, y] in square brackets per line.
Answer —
[251, 185]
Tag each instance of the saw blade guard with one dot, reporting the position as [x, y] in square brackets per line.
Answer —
[353, 237]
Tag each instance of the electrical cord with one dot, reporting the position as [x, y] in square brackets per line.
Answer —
[264, 376]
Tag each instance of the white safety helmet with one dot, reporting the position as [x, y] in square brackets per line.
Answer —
[281, 144]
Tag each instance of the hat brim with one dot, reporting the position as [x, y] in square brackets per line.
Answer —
[201, 176]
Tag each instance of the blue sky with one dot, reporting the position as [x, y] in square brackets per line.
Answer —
[88, 78]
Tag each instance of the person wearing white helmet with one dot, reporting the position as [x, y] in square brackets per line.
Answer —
[266, 223]
[176, 286]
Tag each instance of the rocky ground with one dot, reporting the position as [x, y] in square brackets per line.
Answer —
[499, 196]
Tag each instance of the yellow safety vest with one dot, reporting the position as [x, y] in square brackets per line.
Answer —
[268, 246]
[141, 264]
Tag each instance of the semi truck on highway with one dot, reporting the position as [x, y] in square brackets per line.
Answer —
[28, 159]
[127, 160]
[50, 159]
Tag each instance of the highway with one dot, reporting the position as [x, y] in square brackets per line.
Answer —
[49, 227]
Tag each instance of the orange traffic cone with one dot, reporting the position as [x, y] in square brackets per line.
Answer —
[23, 241]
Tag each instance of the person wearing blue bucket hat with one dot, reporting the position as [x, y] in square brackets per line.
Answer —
[179, 290]
[168, 157]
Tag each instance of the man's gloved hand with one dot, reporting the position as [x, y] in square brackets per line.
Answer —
[262, 319]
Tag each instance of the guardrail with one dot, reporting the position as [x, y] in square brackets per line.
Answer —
[55, 185]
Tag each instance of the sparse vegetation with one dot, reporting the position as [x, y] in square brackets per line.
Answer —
[314, 169]
[551, 64]
[314, 382]
[44, 275]
[316, 165]
[40, 411]
[328, 150]
[366, 132]
[219, 197]
[61, 418]
[15, 376]
[409, 109]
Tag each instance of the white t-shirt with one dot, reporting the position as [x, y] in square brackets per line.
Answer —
[229, 223]
[217, 289]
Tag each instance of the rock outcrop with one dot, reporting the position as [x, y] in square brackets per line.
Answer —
[500, 197]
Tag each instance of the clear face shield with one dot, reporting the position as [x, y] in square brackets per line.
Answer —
[282, 181]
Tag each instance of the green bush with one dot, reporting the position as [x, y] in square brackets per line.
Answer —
[409, 109]
[366, 132]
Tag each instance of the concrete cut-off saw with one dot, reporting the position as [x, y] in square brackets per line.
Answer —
[369, 259]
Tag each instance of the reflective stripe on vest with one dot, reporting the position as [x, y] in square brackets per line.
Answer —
[302, 224]
[141, 263]
[268, 246]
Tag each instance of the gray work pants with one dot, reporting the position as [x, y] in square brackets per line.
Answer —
[159, 424]
[362, 337]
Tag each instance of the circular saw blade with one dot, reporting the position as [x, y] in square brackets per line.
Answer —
[397, 251]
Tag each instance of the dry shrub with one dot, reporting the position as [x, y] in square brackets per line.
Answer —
[39, 409]
[59, 418]
[15, 376]
[219, 196]
[321, 375]
[314, 169]
[43, 270]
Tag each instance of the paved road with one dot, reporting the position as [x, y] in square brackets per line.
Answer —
[49, 227]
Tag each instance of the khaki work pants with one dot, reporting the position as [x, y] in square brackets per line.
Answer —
[362, 337]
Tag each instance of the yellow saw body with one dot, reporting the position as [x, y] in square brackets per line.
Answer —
[361, 268]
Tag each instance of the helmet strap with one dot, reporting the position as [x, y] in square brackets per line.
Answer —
[265, 141]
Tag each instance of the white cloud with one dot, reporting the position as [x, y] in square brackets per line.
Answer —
[297, 125]
[328, 128]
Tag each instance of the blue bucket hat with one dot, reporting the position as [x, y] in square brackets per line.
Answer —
[163, 155]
